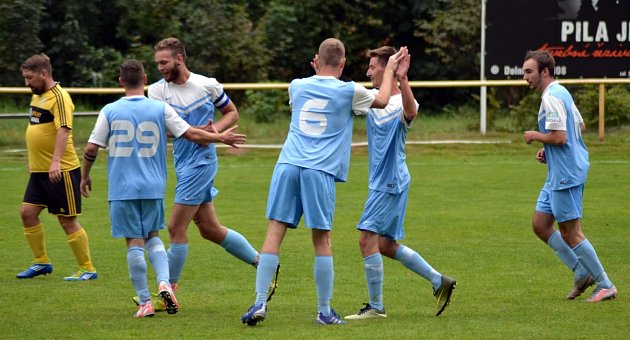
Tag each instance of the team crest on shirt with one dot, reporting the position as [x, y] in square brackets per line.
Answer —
[553, 117]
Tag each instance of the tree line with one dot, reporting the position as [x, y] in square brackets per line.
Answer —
[262, 41]
[235, 41]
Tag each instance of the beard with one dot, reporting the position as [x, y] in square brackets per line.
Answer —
[172, 75]
[37, 90]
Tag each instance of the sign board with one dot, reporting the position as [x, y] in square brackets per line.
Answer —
[588, 38]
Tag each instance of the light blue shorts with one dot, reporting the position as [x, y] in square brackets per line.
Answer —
[295, 191]
[384, 214]
[136, 218]
[564, 205]
[195, 185]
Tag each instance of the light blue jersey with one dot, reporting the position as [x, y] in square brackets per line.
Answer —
[321, 123]
[134, 129]
[387, 132]
[195, 102]
[567, 164]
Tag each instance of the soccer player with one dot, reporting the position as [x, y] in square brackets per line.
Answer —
[134, 129]
[54, 172]
[560, 198]
[381, 224]
[195, 98]
[315, 155]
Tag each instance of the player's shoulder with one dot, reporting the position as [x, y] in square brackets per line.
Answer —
[200, 79]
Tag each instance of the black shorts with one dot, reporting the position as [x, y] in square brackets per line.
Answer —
[61, 198]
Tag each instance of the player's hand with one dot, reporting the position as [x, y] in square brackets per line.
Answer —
[395, 59]
[54, 172]
[530, 136]
[403, 67]
[210, 127]
[230, 138]
[540, 156]
[86, 186]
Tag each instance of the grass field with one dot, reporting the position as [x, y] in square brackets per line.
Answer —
[469, 214]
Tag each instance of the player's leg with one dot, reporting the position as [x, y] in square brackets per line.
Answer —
[284, 210]
[373, 268]
[267, 266]
[137, 266]
[65, 202]
[542, 225]
[79, 244]
[317, 194]
[181, 215]
[567, 207]
[33, 203]
[232, 241]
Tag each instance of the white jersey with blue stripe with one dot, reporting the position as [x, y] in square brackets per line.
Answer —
[194, 101]
[134, 130]
[567, 164]
[321, 123]
[387, 132]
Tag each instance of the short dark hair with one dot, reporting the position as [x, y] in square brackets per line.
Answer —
[544, 60]
[382, 53]
[173, 44]
[37, 63]
[132, 73]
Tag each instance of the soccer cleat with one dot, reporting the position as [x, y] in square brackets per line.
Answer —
[81, 275]
[579, 286]
[175, 286]
[274, 284]
[443, 293]
[165, 290]
[156, 299]
[255, 314]
[602, 294]
[145, 311]
[35, 269]
[332, 319]
[367, 313]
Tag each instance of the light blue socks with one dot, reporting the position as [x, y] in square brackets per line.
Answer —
[590, 261]
[264, 273]
[235, 244]
[158, 258]
[413, 261]
[324, 279]
[566, 254]
[373, 266]
[177, 254]
[138, 272]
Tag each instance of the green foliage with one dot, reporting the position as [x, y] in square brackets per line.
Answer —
[617, 104]
[266, 106]
[518, 117]
[452, 34]
[522, 115]
[20, 23]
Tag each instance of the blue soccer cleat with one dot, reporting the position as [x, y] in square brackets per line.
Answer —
[332, 319]
[35, 269]
[255, 314]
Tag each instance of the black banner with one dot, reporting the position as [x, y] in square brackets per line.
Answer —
[588, 38]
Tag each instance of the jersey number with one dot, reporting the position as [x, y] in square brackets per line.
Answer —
[312, 123]
[147, 136]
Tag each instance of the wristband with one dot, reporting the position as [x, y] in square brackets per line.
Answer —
[89, 158]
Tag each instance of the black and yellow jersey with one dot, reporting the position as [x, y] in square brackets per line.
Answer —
[48, 112]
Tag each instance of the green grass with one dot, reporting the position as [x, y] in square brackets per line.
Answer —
[469, 215]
